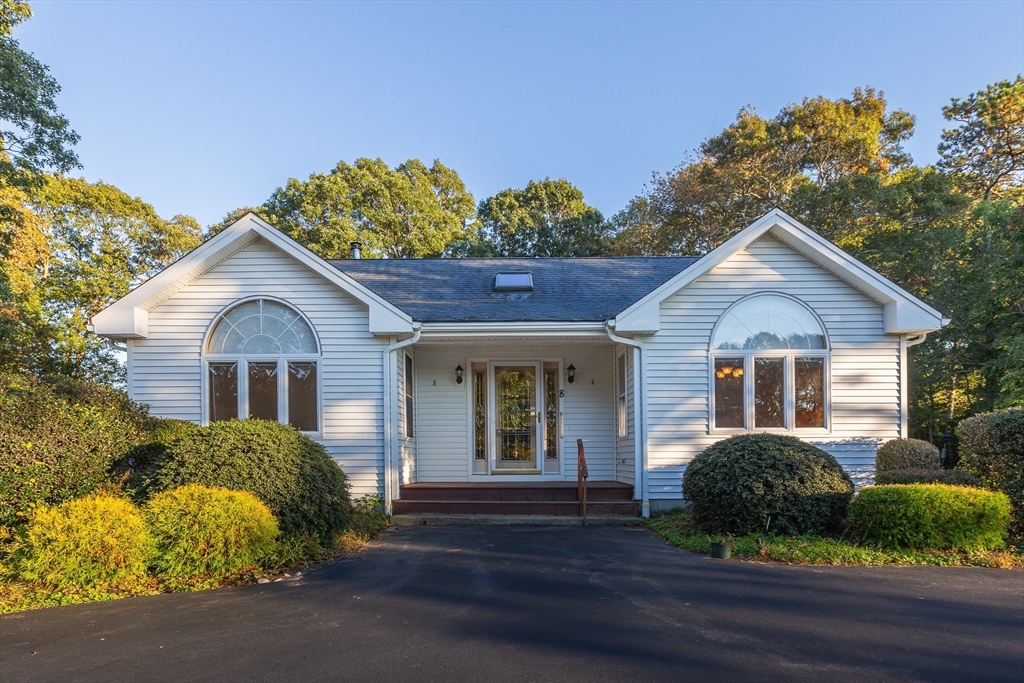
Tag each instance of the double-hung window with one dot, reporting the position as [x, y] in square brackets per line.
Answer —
[770, 367]
[262, 360]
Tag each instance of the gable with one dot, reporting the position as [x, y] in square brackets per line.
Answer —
[903, 313]
[128, 318]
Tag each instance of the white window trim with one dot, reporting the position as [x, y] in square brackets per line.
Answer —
[282, 369]
[621, 399]
[409, 391]
[789, 390]
[242, 375]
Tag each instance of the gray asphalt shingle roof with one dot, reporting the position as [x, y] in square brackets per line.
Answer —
[564, 289]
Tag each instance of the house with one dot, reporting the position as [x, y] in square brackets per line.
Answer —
[419, 375]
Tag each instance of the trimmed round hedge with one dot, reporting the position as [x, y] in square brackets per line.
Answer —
[292, 474]
[93, 543]
[930, 517]
[206, 535]
[907, 454]
[767, 482]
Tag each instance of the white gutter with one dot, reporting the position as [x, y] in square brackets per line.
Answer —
[391, 415]
[916, 340]
[640, 391]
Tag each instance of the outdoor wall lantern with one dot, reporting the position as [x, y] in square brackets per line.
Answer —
[570, 373]
[458, 374]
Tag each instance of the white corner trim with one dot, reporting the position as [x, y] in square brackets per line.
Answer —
[119, 320]
[903, 313]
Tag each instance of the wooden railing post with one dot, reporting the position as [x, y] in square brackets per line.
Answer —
[581, 479]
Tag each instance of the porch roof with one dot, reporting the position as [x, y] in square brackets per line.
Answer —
[564, 289]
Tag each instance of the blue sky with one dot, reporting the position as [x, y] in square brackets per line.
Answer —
[202, 107]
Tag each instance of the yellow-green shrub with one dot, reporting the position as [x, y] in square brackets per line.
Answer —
[93, 543]
[930, 516]
[205, 535]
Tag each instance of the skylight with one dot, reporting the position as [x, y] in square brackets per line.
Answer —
[513, 282]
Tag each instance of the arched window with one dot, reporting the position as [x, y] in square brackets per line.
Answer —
[262, 360]
[769, 357]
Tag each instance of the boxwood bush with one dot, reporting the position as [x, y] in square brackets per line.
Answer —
[927, 476]
[58, 440]
[755, 482]
[992, 449]
[295, 476]
[206, 535]
[930, 517]
[907, 454]
[94, 543]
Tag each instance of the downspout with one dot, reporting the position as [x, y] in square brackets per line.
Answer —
[390, 413]
[640, 389]
[905, 343]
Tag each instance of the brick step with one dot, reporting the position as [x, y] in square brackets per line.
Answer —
[521, 507]
[516, 493]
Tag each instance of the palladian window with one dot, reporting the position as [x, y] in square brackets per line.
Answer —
[770, 367]
[262, 360]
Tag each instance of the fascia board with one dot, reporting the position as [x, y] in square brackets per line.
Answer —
[385, 318]
[644, 317]
[113, 320]
[902, 311]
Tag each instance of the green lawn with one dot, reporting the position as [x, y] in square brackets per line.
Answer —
[677, 529]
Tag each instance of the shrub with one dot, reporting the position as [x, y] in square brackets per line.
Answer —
[58, 440]
[93, 543]
[951, 477]
[207, 535]
[930, 516]
[139, 465]
[907, 454]
[755, 482]
[291, 473]
[992, 449]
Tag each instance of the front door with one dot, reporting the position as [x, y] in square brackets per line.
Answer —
[517, 417]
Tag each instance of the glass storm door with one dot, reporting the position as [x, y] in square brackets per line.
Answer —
[517, 416]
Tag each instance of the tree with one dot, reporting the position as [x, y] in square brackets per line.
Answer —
[546, 218]
[986, 150]
[34, 136]
[411, 211]
[804, 160]
[78, 247]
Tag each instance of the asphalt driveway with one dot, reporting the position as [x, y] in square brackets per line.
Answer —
[543, 604]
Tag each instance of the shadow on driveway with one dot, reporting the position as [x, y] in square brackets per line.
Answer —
[543, 604]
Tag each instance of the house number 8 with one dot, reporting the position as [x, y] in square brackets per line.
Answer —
[561, 393]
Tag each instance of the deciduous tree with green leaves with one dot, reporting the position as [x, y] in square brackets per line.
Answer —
[411, 211]
[80, 247]
[34, 136]
[546, 218]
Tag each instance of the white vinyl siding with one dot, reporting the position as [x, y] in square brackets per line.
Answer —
[625, 446]
[443, 420]
[864, 365]
[166, 368]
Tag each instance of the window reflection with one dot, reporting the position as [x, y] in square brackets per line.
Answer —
[729, 393]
